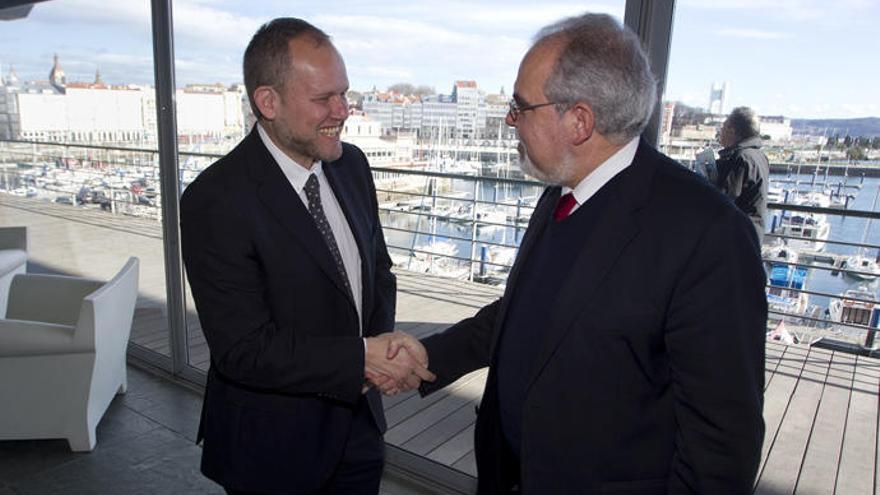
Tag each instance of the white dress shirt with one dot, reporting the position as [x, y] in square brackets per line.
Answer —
[297, 174]
[615, 164]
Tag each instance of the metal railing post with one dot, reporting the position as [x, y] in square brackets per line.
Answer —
[473, 229]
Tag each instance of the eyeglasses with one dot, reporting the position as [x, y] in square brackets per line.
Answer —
[516, 109]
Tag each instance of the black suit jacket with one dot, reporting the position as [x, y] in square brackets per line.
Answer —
[649, 377]
[287, 363]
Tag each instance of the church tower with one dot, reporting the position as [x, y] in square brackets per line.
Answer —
[57, 78]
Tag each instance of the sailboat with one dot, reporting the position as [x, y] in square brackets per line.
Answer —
[786, 294]
[861, 266]
[806, 230]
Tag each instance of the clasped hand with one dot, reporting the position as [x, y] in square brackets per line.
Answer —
[396, 362]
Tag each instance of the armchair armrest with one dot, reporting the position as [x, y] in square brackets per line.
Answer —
[13, 238]
[28, 338]
[48, 298]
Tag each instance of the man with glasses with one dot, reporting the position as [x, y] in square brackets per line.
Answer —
[627, 352]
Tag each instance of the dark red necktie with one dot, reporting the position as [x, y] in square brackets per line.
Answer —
[564, 207]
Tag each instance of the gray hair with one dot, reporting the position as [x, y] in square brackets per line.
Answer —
[602, 64]
[744, 123]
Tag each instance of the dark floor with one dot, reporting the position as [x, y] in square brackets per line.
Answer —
[146, 445]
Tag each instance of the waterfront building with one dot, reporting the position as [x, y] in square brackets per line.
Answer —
[10, 122]
[497, 106]
[668, 113]
[381, 150]
[396, 112]
[94, 112]
[470, 109]
[777, 128]
[211, 112]
[467, 113]
[439, 116]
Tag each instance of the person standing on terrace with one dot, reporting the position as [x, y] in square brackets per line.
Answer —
[743, 169]
[627, 352]
[293, 285]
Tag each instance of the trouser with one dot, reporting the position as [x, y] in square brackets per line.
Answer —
[359, 472]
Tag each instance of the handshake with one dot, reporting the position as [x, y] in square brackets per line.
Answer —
[395, 362]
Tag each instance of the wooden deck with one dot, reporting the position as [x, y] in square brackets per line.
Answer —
[821, 407]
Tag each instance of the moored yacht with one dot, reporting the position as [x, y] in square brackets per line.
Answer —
[862, 267]
[856, 306]
[786, 283]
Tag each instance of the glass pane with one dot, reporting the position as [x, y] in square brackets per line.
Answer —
[818, 127]
[429, 91]
[77, 149]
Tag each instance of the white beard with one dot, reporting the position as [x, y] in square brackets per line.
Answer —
[528, 167]
[557, 177]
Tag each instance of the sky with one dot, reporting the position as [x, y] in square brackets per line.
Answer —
[798, 58]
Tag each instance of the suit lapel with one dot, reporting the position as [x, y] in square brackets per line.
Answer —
[277, 195]
[537, 224]
[340, 182]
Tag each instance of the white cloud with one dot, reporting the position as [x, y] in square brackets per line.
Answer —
[854, 110]
[120, 59]
[205, 24]
[753, 34]
[388, 29]
[382, 50]
[193, 19]
[394, 73]
[818, 12]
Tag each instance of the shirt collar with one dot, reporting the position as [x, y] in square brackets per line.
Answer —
[293, 170]
[616, 163]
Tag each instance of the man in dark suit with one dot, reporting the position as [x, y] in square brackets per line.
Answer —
[626, 354]
[289, 270]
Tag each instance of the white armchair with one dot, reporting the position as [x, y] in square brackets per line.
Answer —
[62, 354]
[13, 259]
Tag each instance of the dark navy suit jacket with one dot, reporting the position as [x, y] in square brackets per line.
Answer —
[649, 376]
[287, 363]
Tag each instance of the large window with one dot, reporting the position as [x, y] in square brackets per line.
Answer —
[429, 93]
[82, 174]
[804, 68]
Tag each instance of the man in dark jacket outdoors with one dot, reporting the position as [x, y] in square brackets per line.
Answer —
[743, 169]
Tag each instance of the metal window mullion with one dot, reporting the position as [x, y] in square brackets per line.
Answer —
[652, 21]
[163, 64]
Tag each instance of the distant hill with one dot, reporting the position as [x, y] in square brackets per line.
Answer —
[867, 127]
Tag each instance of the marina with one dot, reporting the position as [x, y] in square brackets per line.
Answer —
[820, 242]
[821, 406]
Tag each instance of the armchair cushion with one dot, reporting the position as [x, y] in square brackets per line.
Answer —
[29, 338]
[10, 259]
[48, 298]
[13, 238]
